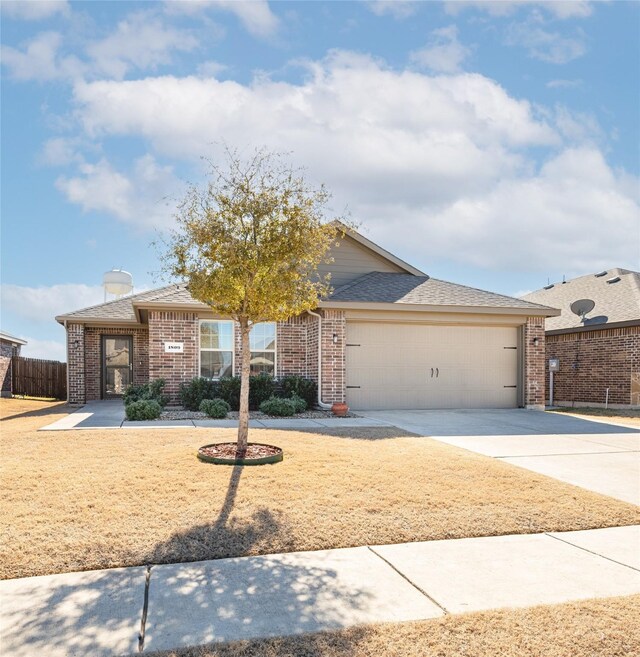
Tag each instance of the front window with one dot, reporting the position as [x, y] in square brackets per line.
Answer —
[216, 349]
[263, 348]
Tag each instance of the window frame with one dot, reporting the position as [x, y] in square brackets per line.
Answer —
[201, 349]
[274, 350]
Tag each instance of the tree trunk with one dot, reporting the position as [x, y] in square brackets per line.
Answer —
[243, 420]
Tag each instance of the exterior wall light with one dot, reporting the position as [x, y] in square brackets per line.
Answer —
[335, 338]
[536, 342]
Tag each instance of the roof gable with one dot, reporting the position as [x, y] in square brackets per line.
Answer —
[615, 301]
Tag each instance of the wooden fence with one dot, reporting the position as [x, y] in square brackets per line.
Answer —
[38, 378]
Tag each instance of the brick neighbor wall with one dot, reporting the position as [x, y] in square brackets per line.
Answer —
[534, 363]
[75, 364]
[592, 361]
[173, 326]
[6, 352]
[93, 357]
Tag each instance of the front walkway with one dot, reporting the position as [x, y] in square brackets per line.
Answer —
[109, 414]
[592, 454]
[131, 610]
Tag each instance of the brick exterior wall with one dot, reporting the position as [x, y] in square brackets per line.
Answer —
[534, 363]
[93, 357]
[333, 356]
[592, 361]
[76, 393]
[173, 326]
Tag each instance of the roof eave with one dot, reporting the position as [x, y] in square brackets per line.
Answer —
[98, 321]
[594, 327]
[440, 308]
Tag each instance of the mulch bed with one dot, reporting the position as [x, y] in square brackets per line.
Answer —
[230, 451]
[182, 414]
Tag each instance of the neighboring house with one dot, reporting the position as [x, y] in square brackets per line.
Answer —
[389, 337]
[9, 347]
[600, 351]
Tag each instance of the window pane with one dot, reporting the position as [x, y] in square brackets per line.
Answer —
[116, 380]
[262, 361]
[116, 351]
[263, 336]
[216, 335]
[215, 364]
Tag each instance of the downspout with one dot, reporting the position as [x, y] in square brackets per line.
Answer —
[321, 404]
[67, 341]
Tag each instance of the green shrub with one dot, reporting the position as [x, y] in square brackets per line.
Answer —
[229, 390]
[298, 403]
[215, 408]
[193, 392]
[146, 391]
[143, 409]
[278, 406]
[261, 388]
[306, 389]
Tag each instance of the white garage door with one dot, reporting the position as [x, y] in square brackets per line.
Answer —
[403, 366]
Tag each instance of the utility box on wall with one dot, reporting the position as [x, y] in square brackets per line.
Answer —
[554, 364]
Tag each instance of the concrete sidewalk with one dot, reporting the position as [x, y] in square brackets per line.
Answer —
[109, 414]
[101, 612]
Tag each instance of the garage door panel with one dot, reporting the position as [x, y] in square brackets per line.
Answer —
[421, 366]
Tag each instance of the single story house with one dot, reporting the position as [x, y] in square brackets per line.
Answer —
[9, 347]
[599, 350]
[389, 337]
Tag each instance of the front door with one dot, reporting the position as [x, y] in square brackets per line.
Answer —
[117, 364]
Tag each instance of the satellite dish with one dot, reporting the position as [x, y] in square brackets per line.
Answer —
[581, 307]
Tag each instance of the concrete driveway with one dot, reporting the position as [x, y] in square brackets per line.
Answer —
[595, 455]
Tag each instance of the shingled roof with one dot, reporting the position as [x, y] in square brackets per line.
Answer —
[375, 287]
[382, 287]
[122, 310]
[616, 293]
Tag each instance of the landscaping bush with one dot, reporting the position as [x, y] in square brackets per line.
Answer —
[193, 392]
[146, 391]
[298, 403]
[279, 407]
[261, 388]
[143, 409]
[306, 389]
[215, 408]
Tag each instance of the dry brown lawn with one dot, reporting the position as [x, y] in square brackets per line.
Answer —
[628, 416]
[594, 628]
[78, 500]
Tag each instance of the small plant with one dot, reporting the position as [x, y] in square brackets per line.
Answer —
[306, 389]
[261, 387]
[146, 391]
[298, 403]
[143, 409]
[215, 408]
[279, 407]
[193, 392]
[229, 390]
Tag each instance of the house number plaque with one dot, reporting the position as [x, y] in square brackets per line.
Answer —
[174, 347]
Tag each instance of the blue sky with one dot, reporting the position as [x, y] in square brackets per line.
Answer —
[493, 144]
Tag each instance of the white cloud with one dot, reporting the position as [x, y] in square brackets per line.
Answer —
[437, 167]
[210, 69]
[561, 9]
[59, 151]
[255, 15]
[443, 53]
[140, 41]
[42, 304]
[139, 198]
[574, 210]
[33, 10]
[45, 349]
[399, 9]
[553, 47]
[40, 59]
[564, 84]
